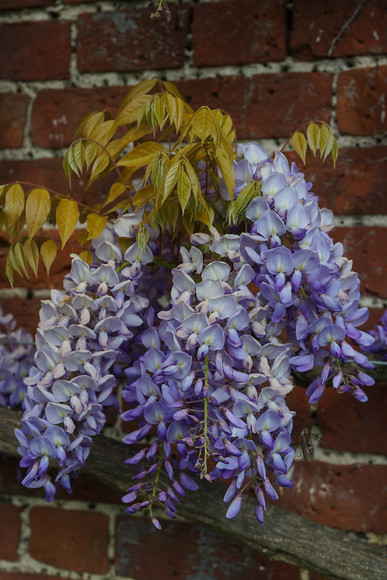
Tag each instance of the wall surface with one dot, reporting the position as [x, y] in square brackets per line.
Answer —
[273, 65]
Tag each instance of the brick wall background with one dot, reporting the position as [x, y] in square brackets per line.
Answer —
[273, 65]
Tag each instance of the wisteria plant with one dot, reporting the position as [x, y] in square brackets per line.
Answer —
[206, 277]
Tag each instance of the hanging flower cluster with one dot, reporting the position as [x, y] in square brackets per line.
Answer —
[16, 358]
[196, 342]
[379, 332]
[83, 332]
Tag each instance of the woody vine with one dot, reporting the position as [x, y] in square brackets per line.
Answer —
[205, 278]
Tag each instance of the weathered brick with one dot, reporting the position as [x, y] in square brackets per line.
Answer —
[361, 101]
[130, 40]
[72, 539]
[322, 30]
[36, 51]
[349, 497]
[184, 551]
[56, 113]
[355, 186]
[9, 531]
[267, 105]
[363, 245]
[49, 173]
[16, 4]
[13, 115]
[348, 425]
[239, 32]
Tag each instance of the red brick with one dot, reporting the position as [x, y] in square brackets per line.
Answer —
[49, 173]
[130, 40]
[71, 540]
[361, 102]
[375, 316]
[355, 186]
[185, 551]
[36, 51]
[9, 531]
[13, 115]
[348, 425]
[239, 32]
[320, 31]
[364, 245]
[267, 105]
[56, 113]
[15, 4]
[349, 497]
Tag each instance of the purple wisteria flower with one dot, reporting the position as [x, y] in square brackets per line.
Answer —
[16, 358]
[83, 334]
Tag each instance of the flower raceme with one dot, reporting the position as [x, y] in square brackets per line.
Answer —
[205, 378]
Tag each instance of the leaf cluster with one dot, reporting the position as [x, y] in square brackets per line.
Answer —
[165, 160]
[319, 136]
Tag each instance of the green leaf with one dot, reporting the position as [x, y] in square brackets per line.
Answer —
[48, 251]
[313, 136]
[14, 203]
[142, 238]
[299, 144]
[31, 252]
[239, 206]
[95, 225]
[38, 207]
[226, 167]
[67, 215]
[66, 167]
[204, 125]
[71, 160]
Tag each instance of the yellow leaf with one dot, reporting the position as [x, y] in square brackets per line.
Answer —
[299, 144]
[95, 225]
[48, 251]
[20, 257]
[141, 89]
[86, 256]
[14, 203]
[224, 159]
[313, 136]
[204, 124]
[79, 155]
[115, 191]
[91, 152]
[171, 177]
[183, 190]
[334, 152]
[31, 252]
[99, 166]
[67, 215]
[143, 195]
[326, 138]
[37, 209]
[104, 132]
[9, 269]
[71, 160]
[131, 111]
[140, 155]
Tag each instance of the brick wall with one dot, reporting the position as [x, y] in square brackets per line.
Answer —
[273, 65]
